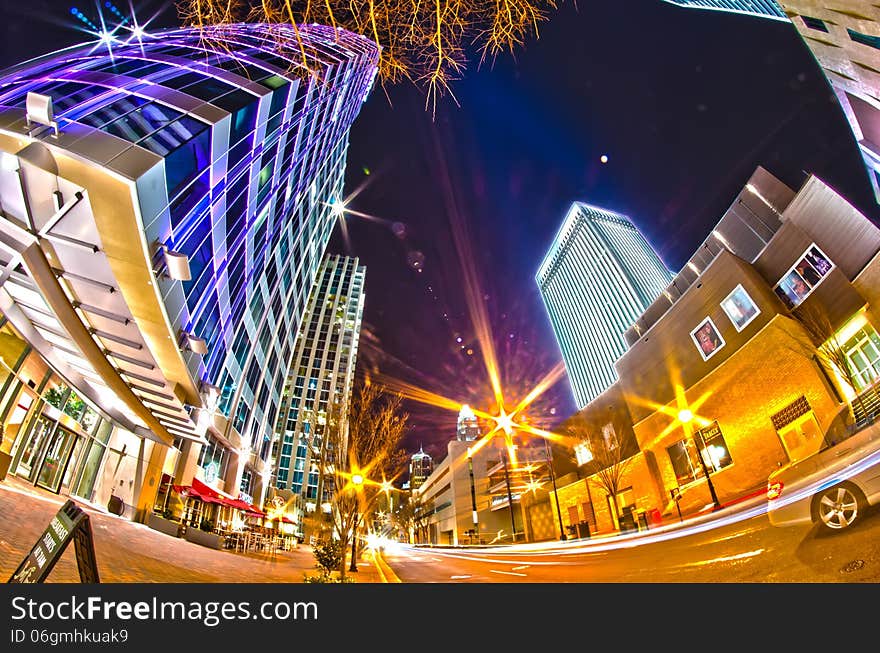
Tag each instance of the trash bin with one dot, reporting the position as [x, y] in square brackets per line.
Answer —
[583, 529]
[627, 522]
[643, 520]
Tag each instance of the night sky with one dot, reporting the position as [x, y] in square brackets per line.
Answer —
[685, 104]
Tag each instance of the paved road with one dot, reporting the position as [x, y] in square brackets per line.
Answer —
[745, 551]
[127, 552]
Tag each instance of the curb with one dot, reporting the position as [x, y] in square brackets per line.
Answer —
[385, 572]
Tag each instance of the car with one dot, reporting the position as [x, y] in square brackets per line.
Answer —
[835, 485]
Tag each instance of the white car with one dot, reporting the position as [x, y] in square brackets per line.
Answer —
[834, 486]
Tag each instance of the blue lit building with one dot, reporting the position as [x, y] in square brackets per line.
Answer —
[598, 277]
[764, 8]
[319, 386]
[167, 201]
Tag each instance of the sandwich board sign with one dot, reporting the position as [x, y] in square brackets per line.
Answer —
[70, 523]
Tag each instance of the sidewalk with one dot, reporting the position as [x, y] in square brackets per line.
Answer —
[129, 552]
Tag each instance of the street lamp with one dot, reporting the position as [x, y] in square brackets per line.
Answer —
[474, 514]
[358, 481]
[686, 417]
[555, 493]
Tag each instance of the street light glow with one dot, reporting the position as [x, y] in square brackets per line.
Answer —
[357, 479]
[685, 416]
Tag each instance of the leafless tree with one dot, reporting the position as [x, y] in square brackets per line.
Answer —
[822, 343]
[371, 439]
[610, 459]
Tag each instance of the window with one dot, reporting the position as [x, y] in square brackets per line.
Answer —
[815, 23]
[707, 339]
[740, 308]
[710, 443]
[864, 39]
[863, 354]
[802, 278]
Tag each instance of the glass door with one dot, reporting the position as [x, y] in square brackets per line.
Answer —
[36, 443]
[73, 463]
[55, 460]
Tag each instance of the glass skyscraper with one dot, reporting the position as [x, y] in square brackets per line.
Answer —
[167, 200]
[320, 381]
[599, 275]
[766, 8]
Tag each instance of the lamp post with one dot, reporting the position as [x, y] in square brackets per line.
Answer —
[555, 493]
[686, 417]
[474, 514]
[358, 481]
[509, 496]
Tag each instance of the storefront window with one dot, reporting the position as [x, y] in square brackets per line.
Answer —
[863, 354]
[75, 406]
[56, 394]
[213, 459]
[90, 470]
[711, 445]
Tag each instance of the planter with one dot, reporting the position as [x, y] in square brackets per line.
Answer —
[159, 523]
[5, 460]
[211, 540]
[115, 505]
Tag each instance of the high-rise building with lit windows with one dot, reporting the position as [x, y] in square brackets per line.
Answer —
[467, 426]
[599, 275]
[319, 384]
[166, 202]
[844, 38]
[420, 467]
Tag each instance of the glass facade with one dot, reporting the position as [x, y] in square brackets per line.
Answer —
[598, 277]
[765, 8]
[319, 383]
[251, 149]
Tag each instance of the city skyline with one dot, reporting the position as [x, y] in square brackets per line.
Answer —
[673, 203]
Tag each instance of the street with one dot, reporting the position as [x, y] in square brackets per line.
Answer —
[745, 551]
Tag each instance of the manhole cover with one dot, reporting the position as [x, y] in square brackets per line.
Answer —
[855, 565]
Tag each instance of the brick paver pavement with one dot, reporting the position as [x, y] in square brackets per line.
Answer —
[128, 552]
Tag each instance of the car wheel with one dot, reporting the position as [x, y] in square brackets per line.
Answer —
[837, 508]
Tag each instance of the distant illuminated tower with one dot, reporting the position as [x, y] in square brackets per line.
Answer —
[468, 428]
[844, 37]
[420, 467]
[598, 277]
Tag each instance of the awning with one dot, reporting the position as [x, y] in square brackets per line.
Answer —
[238, 504]
[190, 492]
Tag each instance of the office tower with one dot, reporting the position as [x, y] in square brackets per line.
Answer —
[420, 467]
[166, 201]
[467, 427]
[764, 8]
[844, 38]
[598, 276]
[319, 382]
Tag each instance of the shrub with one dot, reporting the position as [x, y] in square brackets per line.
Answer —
[328, 555]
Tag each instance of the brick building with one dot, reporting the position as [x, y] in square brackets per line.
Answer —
[726, 373]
